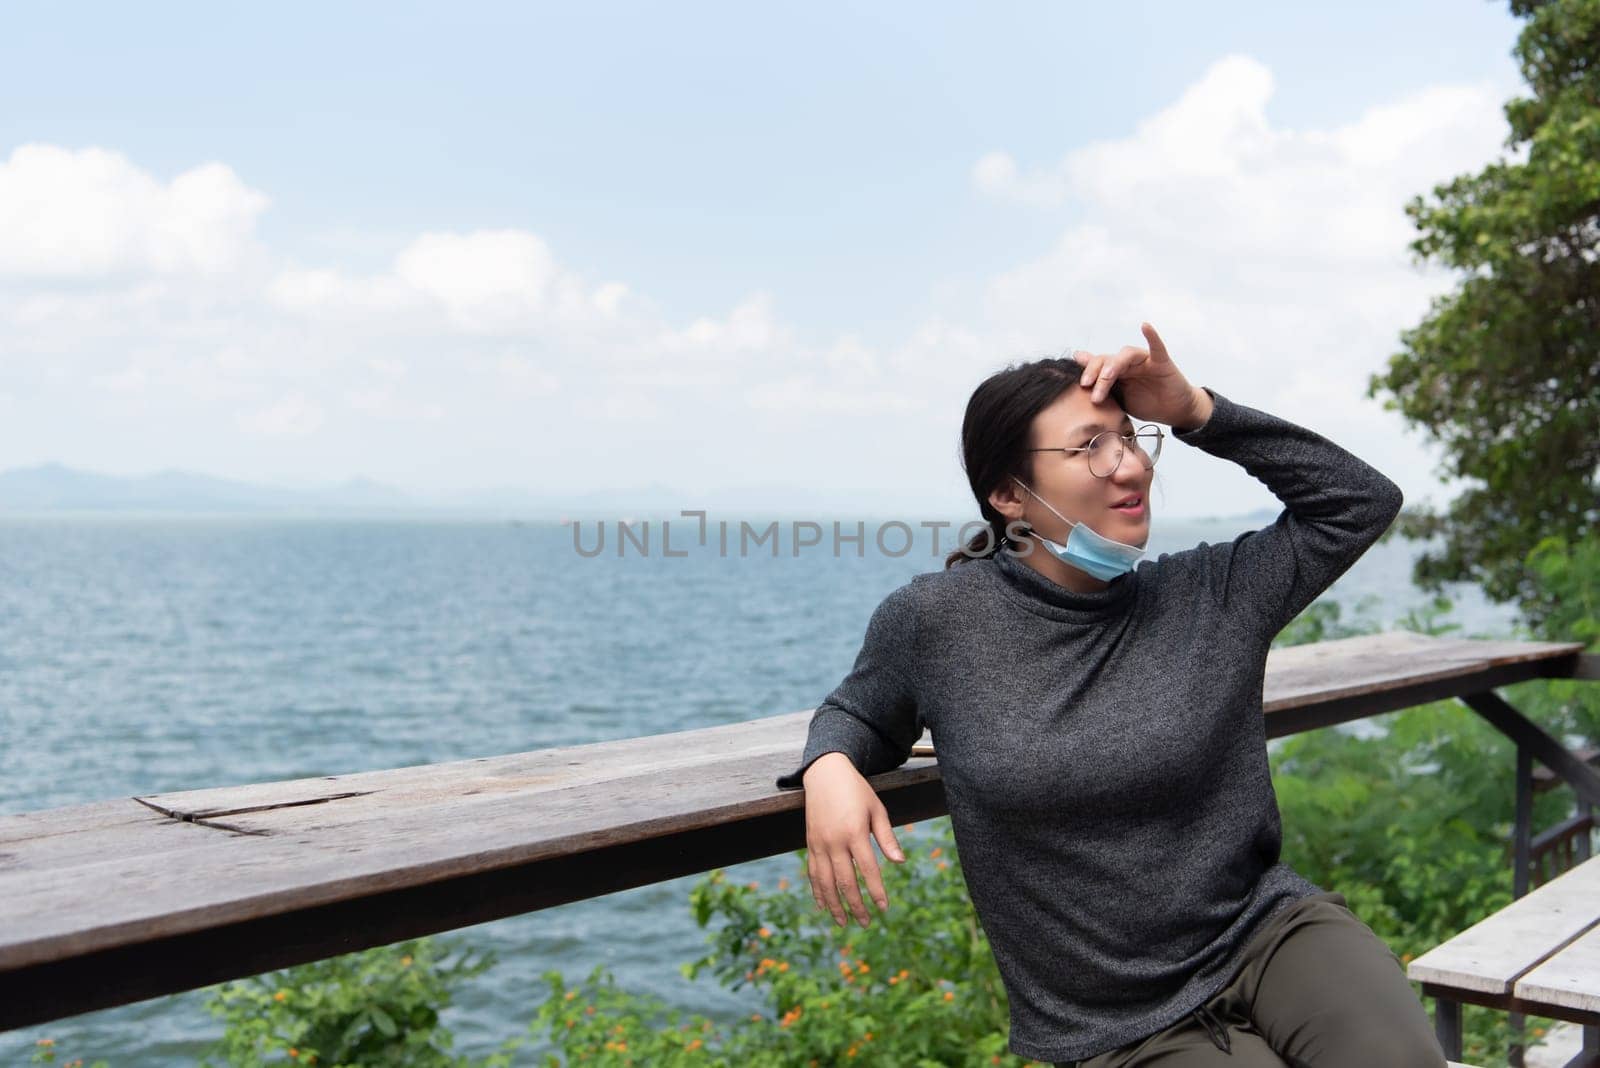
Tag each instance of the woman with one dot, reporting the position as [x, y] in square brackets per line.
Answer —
[1100, 735]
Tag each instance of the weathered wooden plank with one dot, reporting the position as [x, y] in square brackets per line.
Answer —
[558, 766]
[111, 902]
[1491, 955]
[302, 856]
[289, 921]
[1570, 978]
[1344, 679]
[112, 831]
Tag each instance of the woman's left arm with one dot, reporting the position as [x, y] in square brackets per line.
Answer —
[1336, 504]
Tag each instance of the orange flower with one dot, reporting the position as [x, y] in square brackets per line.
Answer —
[571, 994]
[280, 995]
[783, 965]
[936, 851]
[45, 1042]
[904, 972]
[752, 885]
[863, 968]
[589, 1011]
[867, 1037]
[765, 932]
[756, 1016]
[949, 995]
[293, 1053]
[696, 1044]
[942, 865]
[783, 884]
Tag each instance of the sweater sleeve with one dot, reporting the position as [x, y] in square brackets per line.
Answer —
[872, 716]
[1336, 506]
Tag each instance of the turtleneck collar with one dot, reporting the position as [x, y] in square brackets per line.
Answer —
[1048, 598]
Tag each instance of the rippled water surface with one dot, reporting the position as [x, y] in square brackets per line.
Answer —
[147, 655]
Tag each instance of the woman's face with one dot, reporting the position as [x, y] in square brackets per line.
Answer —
[1064, 479]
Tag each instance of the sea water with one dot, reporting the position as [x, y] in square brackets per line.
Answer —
[142, 655]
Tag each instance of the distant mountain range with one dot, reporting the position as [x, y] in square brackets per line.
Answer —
[56, 488]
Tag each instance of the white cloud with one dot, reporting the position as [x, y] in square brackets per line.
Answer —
[1273, 259]
[292, 416]
[90, 214]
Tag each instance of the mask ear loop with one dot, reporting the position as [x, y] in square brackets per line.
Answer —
[1070, 523]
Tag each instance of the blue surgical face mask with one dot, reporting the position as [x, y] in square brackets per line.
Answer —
[1087, 551]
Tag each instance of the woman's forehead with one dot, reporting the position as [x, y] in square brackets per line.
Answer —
[1073, 410]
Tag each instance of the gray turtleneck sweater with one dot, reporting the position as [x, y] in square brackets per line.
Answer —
[1103, 755]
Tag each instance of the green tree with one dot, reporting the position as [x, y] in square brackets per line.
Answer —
[1504, 372]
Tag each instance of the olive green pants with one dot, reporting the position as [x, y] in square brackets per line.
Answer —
[1317, 989]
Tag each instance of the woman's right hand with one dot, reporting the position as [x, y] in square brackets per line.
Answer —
[843, 816]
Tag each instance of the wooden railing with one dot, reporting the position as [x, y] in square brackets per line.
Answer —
[117, 901]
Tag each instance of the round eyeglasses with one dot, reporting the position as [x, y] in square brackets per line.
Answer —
[1105, 449]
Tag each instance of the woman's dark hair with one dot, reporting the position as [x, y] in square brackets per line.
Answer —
[994, 437]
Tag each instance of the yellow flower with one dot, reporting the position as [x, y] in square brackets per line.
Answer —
[405, 962]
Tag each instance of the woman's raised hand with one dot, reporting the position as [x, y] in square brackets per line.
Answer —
[1152, 385]
[843, 816]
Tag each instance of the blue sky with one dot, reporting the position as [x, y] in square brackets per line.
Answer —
[711, 246]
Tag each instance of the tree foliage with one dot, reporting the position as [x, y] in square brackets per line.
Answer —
[1504, 372]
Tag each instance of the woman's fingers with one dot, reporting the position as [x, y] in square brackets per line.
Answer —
[1091, 366]
[874, 877]
[1158, 348]
[844, 874]
[822, 889]
[883, 831]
